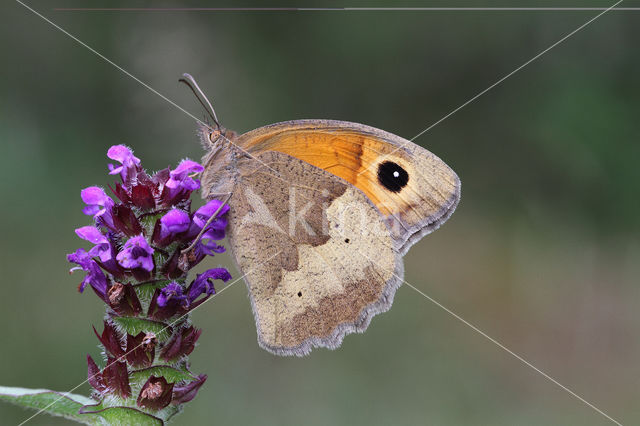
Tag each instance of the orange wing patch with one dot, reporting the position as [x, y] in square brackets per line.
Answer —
[354, 152]
[350, 156]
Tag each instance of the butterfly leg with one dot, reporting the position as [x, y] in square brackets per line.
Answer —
[206, 225]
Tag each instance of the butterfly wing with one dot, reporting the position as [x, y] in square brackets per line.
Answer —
[413, 189]
[318, 258]
[321, 213]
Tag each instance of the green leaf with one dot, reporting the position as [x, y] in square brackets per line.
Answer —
[171, 374]
[60, 404]
[145, 291]
[76, 407]
[133, 326]
[120, 416]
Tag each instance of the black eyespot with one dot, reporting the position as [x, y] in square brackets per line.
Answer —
[299, 294]
[346, 240]
[392, 176]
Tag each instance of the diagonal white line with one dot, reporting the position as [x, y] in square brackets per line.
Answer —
[510, 352]
[442, 119]
[77, 40]
[165, 328]
[101, 56]
[516, 70]
[501, 346]
[500, 80]
[336, 9]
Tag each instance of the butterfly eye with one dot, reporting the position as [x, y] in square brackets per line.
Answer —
[214, 135]
[392, 176]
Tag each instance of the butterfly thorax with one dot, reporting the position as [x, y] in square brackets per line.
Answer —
[220, 161]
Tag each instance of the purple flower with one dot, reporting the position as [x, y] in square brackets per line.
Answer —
[98, 203]
[174, 222]
[102, 247]
[95, 277]
[136, 253]
[204, 213]
[207, 243]
[173, 302]
[171, 295]
[129, 163]
[215, 231]
[202, 283]
[180, 179]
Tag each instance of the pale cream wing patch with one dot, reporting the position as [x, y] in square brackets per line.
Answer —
[319, 258]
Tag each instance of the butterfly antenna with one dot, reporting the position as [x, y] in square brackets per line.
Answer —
[191, 82]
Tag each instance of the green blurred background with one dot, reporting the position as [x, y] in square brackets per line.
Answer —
[543, 252]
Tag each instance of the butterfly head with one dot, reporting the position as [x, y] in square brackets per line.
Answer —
[211, 134]
[213, 137]
[218, 135]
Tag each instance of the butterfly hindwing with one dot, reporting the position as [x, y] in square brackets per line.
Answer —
[318, 257]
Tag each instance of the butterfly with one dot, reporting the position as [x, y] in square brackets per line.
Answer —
[321, 214]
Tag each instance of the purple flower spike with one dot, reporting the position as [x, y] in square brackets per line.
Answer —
[143, 250]
[136, 253]
[129, 162]
[202, 283]
[180, 179]
[171, 295]
[95, 277]
[98, 203]
[93, 235]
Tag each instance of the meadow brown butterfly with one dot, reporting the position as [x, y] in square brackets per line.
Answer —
[321, 213]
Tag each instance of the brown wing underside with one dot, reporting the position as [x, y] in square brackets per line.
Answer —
[318, 257]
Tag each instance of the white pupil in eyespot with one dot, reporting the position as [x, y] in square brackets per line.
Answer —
[396, 174]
